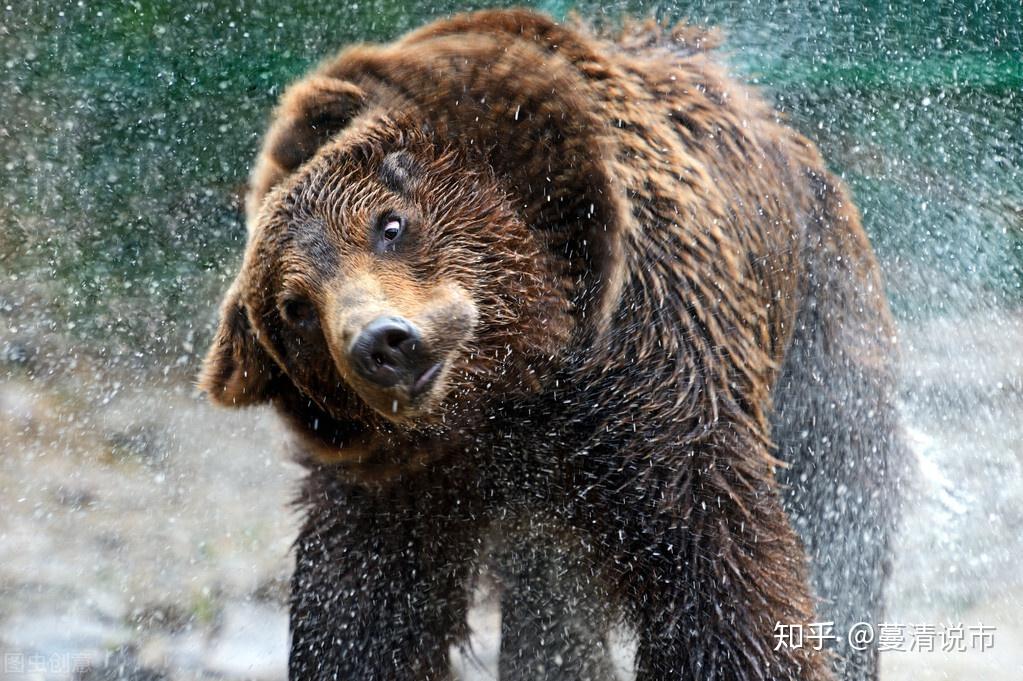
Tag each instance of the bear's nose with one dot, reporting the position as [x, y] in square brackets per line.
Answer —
[389, 351]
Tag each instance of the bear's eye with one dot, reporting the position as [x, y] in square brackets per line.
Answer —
[389, 229]
[299, 312]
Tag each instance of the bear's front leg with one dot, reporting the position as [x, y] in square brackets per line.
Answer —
[379, 590]
[554, 624]
[710, 571]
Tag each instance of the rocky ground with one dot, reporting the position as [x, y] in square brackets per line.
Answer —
[146, 535]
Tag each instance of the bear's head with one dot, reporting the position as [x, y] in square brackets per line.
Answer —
[388, 288]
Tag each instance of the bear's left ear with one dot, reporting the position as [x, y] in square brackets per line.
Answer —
[236, 371]
[310, 113]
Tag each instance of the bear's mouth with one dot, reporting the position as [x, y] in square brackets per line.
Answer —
[411, 403]
[425, 380]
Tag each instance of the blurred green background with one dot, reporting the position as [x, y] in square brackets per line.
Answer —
[127, 130]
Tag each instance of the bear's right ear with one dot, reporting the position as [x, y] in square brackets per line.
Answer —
[236, 371]
[309, 114]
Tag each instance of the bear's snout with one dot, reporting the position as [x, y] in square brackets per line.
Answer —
[396, 342]
[390, 351]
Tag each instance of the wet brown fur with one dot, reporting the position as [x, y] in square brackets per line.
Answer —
[639, 237]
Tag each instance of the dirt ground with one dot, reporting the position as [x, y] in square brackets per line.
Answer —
[146, 535]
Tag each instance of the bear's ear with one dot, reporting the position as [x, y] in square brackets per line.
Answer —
[310, 113]
[236, 371]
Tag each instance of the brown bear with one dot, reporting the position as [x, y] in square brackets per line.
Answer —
[525, 291]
